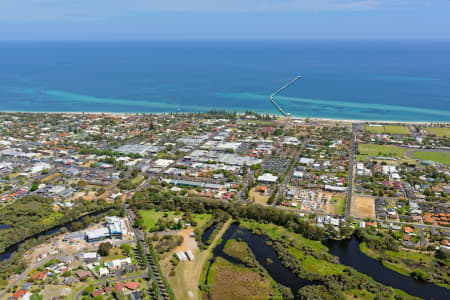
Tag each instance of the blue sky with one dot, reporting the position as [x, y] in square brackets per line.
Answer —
[225, 20]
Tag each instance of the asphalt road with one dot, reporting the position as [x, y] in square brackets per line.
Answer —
[350, 173]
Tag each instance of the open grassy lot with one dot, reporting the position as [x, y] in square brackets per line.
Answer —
[438, 131]
[381, 150]
[434, 156]
[337, 204]
[232, 281]
[363, 207]
[150, 217]
[391, 129]
[114, 253]
[259, 198]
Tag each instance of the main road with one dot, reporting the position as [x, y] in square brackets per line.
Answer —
[351, 171]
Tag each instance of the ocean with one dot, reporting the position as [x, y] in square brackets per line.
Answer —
[362, 80]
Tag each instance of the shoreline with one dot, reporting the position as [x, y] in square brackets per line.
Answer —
[299, 118]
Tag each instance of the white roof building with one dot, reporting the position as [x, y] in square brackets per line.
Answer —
[267, 177]
[163, 163]
[39, 167]
[306, 161]
[114, 264]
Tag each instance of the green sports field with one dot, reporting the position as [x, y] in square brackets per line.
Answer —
[433, 156]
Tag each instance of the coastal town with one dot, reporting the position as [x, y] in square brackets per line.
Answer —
[135, 206]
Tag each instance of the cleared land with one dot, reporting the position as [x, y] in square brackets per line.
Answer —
[187, 274]
[439, 131]
[258, 197]
[363, 207]
[433, 156]
[232, 281]
[150, 217]
[391, 129]
[336, 205]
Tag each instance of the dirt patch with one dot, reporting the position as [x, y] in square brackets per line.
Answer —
[52, 291]
[363, 207]
[258, 197]
[189, 242]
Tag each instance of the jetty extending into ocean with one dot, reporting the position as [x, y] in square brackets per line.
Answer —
[279, 91]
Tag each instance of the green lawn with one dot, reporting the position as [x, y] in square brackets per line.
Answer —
[434, 156]
[202, 219]
[150, 217]
[275, 232]
[381, 150]
[339, 206]
[391, 129]
[439, 131]
[137, 180]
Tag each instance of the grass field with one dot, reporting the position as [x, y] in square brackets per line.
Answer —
[439, 131]
[150, 217]
[391, 129]
[381, 150]
[224, 276]
[337, 208]
[434, 156]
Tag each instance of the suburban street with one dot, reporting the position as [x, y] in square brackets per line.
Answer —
[287, 179]
[80, 293]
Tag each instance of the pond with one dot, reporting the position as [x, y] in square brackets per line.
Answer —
[4, 226]
[349, 254]
[257, 244]
[207, 233]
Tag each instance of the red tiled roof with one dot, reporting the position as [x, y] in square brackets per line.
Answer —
[118, 286]
[132, 285]
[97, 292]
[19, 294]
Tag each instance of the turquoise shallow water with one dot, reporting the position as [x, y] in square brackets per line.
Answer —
[404, 81]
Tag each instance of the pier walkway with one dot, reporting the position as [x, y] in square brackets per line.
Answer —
[279, 91]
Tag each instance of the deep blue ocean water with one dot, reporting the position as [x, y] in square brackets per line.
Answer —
[404, 81]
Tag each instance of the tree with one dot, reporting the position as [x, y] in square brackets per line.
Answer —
[88, 290]
[126, 249]
[104, 249]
